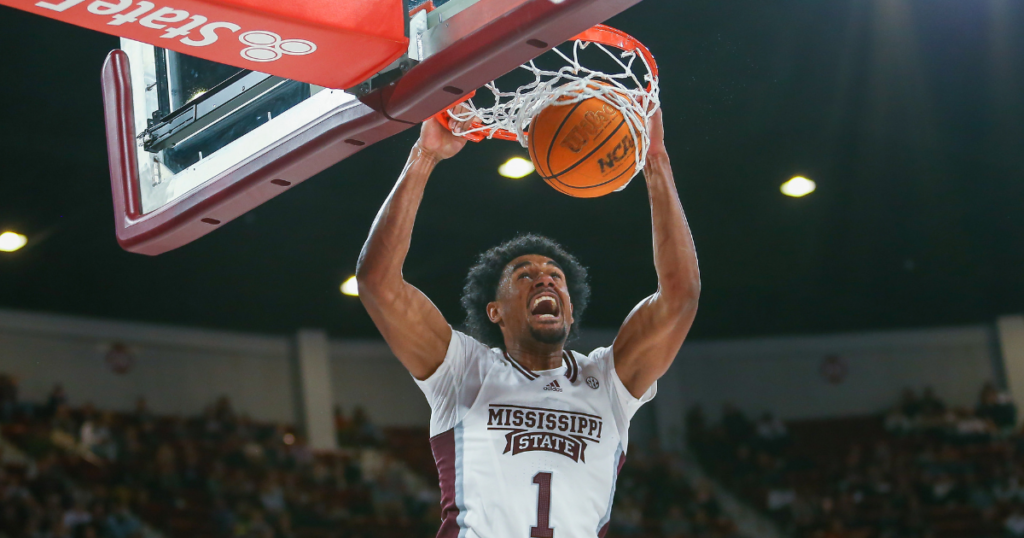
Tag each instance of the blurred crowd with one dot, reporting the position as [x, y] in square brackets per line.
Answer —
[94, 473]
[654, 499]
[216, 474]
[920, 469]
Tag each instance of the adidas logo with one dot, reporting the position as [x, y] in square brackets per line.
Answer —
[553, 386]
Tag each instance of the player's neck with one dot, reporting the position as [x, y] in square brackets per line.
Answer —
[535, 355]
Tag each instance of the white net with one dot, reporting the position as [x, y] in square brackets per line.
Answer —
[634, 95]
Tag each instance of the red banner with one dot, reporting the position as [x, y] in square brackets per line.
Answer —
[332, 43]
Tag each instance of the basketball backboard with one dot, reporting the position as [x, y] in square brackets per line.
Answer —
[194, 143]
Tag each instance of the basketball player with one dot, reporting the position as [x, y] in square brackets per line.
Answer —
[528, 437]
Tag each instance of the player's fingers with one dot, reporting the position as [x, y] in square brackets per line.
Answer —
[462, 110]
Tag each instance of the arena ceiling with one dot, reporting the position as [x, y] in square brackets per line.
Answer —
[909, 114]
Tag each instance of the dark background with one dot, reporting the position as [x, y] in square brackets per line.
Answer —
[908, 114]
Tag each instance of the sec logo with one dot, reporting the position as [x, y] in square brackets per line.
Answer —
[592, 382]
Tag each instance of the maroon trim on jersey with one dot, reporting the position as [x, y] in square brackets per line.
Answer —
[622, 461]
[523, 370]
[572, 368]
[443, 447]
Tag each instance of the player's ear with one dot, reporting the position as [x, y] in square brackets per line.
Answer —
[570, 313]
[493, 312]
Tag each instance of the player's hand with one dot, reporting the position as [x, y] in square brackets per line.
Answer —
[440, 142]
[656, 132]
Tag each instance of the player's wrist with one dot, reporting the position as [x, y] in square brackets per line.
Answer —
[421, 153]
[657, 158]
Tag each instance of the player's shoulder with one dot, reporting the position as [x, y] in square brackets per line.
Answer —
[598, 357]
[471, 347]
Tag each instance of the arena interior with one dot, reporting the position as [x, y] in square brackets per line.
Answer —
[854, 370]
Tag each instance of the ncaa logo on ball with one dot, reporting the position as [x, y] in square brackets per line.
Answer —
[592, 382]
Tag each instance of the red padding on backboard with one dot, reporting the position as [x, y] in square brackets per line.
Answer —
[332, 43]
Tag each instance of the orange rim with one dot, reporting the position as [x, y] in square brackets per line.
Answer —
[601, 34]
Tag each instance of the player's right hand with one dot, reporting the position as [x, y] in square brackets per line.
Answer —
[439, 141]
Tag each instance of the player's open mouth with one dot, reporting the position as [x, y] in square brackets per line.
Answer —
[545, 306]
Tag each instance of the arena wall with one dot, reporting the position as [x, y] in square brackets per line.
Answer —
[829, 375]
[181, 370]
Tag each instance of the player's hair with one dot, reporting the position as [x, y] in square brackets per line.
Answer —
[484, 278]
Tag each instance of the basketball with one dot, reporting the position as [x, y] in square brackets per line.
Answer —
[582, 149]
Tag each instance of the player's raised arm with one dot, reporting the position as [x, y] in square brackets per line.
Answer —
[412, 326]
[654, 331]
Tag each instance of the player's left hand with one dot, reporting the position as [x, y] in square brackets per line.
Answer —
[656, 132]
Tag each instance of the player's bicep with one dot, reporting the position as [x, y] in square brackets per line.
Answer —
[413, 327]
[649, 341]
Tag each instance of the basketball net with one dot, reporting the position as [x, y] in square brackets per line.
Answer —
[634, 95]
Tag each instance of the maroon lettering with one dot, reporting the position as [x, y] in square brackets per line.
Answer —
[529, 428]
[542, 530]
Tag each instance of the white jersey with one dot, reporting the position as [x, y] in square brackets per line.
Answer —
[525, 454]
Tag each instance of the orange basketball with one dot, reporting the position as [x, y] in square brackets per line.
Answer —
[582, 149]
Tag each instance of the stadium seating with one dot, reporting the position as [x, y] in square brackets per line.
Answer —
[93, 473]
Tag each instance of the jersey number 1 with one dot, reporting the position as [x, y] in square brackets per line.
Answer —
[542, 530]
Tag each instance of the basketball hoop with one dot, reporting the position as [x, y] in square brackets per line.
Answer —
[633, 94]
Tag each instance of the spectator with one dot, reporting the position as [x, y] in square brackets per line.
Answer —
[901, 419]
[77, 515]
[909, 405]
[736, 425]
[363, 430]
[996, 406]
[121, 523]
[142, 415]
[57, 398]
[342, 426]
[931, 405]
[1013, 525]
[696, 423]
[95, 436]
[771, 433]
[8, 397]
[675, 524]
[970, 428]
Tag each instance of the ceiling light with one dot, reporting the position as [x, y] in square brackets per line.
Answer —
[516, 167]
[797, 187]
[350, 287]
[10, 241]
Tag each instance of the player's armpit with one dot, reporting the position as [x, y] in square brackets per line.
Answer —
[649, 341]
[412, 326]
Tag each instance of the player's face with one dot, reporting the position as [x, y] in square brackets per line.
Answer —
[533, 300]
